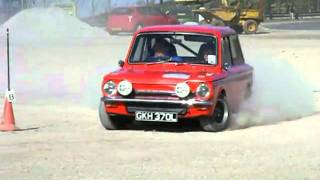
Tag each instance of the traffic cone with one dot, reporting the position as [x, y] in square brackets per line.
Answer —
[7, 121]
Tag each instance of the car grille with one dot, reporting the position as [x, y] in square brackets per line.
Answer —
[156, 107]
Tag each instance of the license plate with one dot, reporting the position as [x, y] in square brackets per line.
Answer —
[156, 116]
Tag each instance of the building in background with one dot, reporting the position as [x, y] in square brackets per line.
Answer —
[85, 8]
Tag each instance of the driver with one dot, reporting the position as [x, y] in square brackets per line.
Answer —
[160, 49]
[163, 48]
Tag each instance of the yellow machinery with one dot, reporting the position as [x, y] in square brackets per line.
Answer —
[242, 15]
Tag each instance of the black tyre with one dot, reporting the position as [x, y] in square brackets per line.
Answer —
[250, 26]
[220, 119]
[111, 122]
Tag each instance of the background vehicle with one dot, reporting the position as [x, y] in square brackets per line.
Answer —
[240, 15]
[130, 19]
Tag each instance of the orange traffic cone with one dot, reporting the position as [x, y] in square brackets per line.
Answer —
[7, 122]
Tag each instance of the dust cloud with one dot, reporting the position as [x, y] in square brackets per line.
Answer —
[38, 26]
[55, 58]
[279, 94]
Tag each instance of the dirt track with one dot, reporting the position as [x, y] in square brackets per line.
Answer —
[64, 140]
[69, 143]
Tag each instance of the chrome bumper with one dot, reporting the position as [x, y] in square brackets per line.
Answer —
[190, 102]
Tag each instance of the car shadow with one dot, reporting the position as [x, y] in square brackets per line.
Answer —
[27, 129]
[180, 127]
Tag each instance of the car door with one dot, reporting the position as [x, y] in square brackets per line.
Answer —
[239, 74]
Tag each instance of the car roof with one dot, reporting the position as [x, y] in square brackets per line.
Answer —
[222, 30]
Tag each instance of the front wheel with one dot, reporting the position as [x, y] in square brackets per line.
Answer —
[220, 119]
[250, 26]
[111, 122]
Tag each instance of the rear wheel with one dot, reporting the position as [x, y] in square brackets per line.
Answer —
[250, 26]
[220, 119]
[112, 122]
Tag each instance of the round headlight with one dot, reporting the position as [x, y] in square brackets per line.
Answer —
[203, 91]
[182, 90]
[125, 88]
[110, 88]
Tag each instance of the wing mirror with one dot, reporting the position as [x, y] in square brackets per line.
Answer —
[226, 66]
[121, 63]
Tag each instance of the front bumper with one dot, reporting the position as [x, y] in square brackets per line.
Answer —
[190, 102]
[185, 108]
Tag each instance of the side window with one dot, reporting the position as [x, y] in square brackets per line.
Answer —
[122, 11]
[142, 49]
[138, 49]
[154, 12]
[236, 53]
[144, 10]
[226, 56]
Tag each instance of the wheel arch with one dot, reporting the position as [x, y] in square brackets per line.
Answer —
[222, 93]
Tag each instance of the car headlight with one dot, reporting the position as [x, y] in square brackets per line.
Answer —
[110, 88]
[182, 90]
[203, 91]
[125, 88]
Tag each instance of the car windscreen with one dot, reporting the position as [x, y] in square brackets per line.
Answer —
[174, 47]
[121, 11]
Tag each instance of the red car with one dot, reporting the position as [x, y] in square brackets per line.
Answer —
[130, 19]
[174, 73]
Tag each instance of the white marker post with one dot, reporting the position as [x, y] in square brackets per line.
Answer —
[10, 93]
[8, 121]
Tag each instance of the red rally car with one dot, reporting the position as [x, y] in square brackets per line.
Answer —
[178, 72]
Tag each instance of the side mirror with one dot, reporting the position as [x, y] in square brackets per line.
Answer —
[226, 66]
[121, 63]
